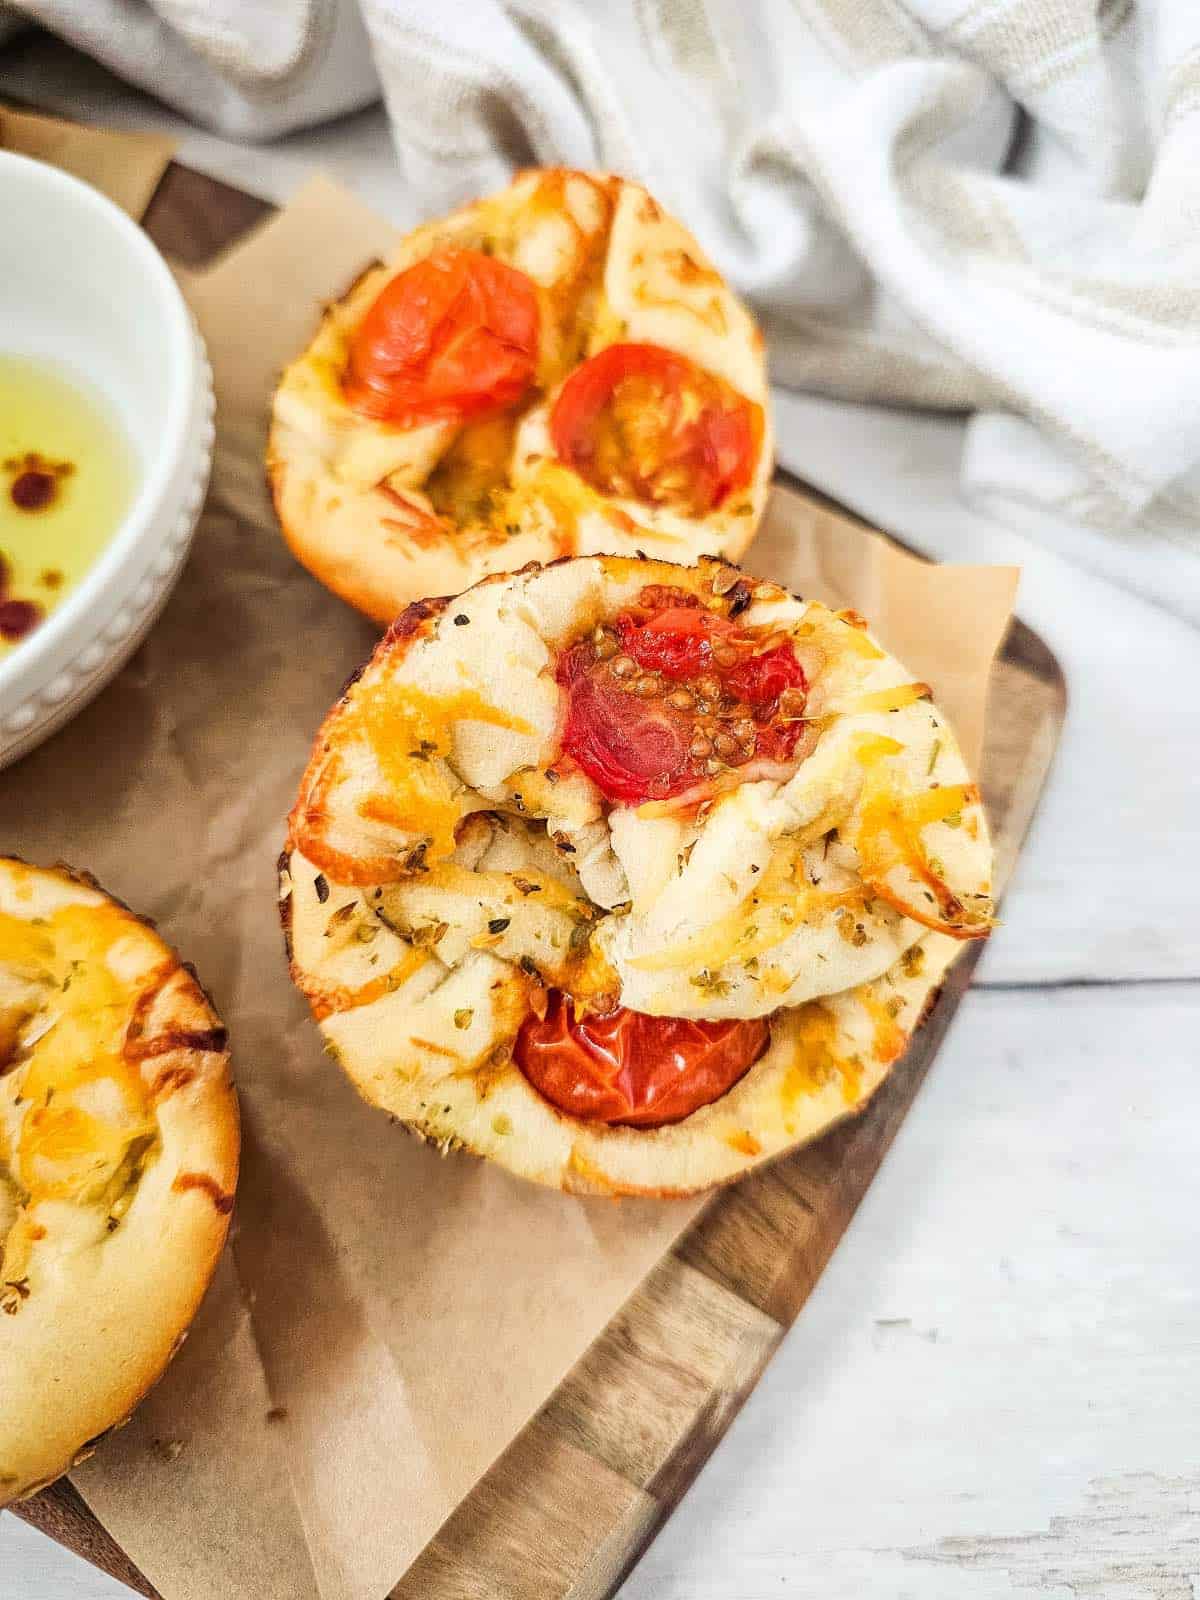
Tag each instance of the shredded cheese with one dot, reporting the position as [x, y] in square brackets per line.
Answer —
[816, 1062]
[417, 794]
[85, 1102]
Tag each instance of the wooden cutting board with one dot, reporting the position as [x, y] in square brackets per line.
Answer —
[567, 1510]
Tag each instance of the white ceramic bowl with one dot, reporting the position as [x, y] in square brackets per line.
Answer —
[81, 286]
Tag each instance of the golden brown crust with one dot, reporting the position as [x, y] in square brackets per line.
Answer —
[309, 816]
[118, 1165]
[351, 494]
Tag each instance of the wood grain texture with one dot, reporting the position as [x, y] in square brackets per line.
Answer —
[60, 1512]
[566, 1511]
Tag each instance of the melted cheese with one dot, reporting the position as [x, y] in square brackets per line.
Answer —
[344, 999]
[887, 837]
[408, 731]
[775, 908]
[889, 1037]
[470, 482]
[478, 884]
[557, 492]
[84, 1102]
[781, 900]
[893, 699]
[816, 1063]
[838, 632]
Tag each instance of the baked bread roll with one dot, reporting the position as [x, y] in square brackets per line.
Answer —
[551, 371]
[118, 1161]
[629, 875]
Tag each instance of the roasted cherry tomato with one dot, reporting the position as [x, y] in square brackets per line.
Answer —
[761, 679]
[453, 336]
[623, 1066]
[642, 422]
[669, 695]
[630, 748]
[676, 641]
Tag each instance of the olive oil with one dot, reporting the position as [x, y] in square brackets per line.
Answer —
[67, 477]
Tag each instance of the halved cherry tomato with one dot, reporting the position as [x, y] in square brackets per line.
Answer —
[453, 336]
[637, 420]
[667, 693]
[761, 679]
[623, 1066]
[630, 748]
[676, 641]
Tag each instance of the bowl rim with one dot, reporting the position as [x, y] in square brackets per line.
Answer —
[161, 462]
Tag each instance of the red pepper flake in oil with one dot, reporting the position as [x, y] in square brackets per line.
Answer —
[33, 490]
[36, 480]
[18, 617]
[34, 487]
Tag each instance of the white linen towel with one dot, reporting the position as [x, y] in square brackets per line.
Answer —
[980, 205]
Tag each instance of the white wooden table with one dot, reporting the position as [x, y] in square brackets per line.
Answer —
[995, 1389]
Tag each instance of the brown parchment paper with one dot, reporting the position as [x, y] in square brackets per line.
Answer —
[126, 167]
[386, 1320]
